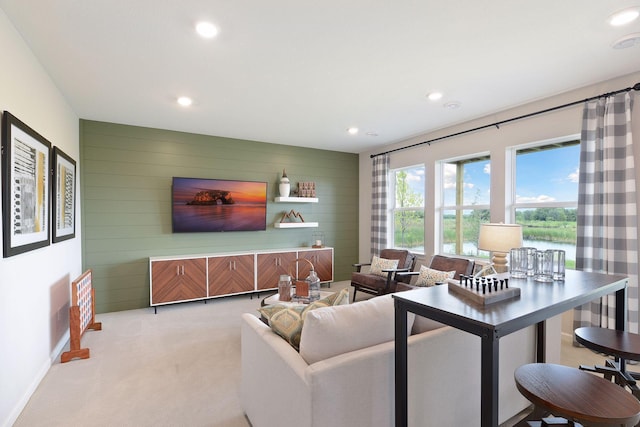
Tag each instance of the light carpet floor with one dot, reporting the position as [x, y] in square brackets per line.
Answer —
[179, 367]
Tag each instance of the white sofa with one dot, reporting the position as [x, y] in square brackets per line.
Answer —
[355, 387]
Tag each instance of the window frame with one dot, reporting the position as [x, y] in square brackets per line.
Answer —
[459, 207]
[512, 156]
[511, 203]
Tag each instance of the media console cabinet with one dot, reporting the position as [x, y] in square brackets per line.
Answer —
[185, 278]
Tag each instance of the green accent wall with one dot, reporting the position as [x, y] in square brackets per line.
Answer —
[126, 174]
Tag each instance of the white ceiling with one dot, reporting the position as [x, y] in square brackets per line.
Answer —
[301, 72]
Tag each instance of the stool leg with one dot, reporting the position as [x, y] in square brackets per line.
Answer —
[552, 422]
[611, 372]
[534, 417]
[608, 372]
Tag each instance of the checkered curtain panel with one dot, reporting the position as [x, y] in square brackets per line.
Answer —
[379, 203]
[607, 221]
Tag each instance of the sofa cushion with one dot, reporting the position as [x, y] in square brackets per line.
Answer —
[429, 276]
[286, 320]
[424, 324]
[340, 329]
[378, 264]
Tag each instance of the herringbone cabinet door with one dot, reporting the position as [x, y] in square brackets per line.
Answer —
[230, 274]
[322, 260]
[271, 266]
[178, 280]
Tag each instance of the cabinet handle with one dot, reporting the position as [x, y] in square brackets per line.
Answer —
[177, 270]
[183, 269]
[234, 265]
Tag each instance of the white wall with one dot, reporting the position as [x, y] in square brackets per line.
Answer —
[34, 286]
[543, 127]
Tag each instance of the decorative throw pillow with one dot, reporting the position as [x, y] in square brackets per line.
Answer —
[287, 320]
[337, 298]
[378, 264]
[429, 276]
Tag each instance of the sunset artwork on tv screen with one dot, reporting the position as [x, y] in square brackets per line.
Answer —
[200, 205]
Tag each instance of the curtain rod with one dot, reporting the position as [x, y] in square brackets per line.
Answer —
[497, 124]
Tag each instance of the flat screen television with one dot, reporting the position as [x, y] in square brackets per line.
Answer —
[201, 205]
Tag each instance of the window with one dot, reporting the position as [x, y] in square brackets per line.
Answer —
[408, 208]
[465, 204]
[546, 196]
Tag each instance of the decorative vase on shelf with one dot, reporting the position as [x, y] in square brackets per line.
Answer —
[285, 185]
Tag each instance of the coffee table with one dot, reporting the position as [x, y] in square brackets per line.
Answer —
[275, 299]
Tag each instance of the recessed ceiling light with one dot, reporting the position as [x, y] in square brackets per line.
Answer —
[453, 105]
[185, 101]
[206, 29]
[352, 131]
[624, 17]
[629, 40]
[434, 96]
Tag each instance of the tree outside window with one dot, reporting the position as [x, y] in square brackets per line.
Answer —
[408, 209]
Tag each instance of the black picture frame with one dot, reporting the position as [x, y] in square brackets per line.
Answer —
[26, 157]
[63, 196]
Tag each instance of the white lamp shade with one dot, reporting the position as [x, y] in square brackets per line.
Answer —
[499, 237]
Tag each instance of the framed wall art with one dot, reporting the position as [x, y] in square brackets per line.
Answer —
[63, 194]
[25, 187]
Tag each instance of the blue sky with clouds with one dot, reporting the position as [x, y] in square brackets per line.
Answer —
[548, 176]
[542, 176]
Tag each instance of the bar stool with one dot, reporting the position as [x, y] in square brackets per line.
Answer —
[577, 396]
[619, 344]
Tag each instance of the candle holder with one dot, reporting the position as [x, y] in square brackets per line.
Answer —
[317, 239]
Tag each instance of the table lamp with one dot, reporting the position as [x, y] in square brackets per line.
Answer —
[499, 239]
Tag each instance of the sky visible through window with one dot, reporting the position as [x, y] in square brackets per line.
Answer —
[476, 183]
[548, 175]
[544, 176]
[415, 179]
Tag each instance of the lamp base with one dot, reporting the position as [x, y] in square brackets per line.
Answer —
[500, 262]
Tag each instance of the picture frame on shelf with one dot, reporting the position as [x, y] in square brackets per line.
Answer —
[26, 157]
[63, 196]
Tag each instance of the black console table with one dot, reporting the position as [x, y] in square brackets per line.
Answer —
[536, 303]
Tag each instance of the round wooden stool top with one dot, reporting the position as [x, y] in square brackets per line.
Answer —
[577, 395]
[610, 341]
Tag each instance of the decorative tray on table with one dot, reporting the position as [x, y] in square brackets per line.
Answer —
[485, 289]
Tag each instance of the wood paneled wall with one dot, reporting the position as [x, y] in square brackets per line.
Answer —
[126, 174]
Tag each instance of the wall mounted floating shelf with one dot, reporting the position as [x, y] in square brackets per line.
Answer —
[296, 200]
[295, 224]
